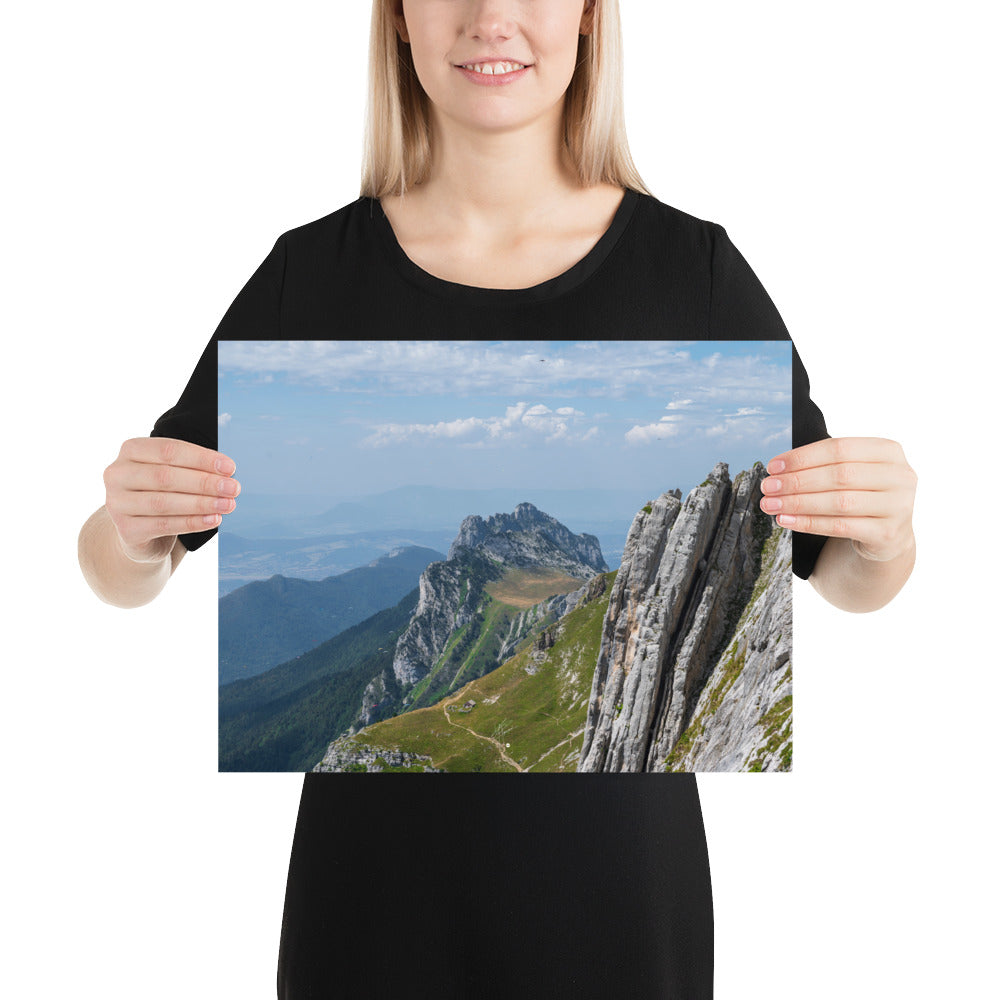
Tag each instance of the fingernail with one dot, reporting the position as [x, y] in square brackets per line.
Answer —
[771, 485]
[786, 519]
[225, 466]
[776, 466]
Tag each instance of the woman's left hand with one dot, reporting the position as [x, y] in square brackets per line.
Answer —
[860, 488]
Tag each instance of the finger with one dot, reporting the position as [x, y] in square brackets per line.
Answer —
[840, 503]
[159, 504]
[174, 452]
[832, 451]
[141, 477]
[866, 530]
[875, 476]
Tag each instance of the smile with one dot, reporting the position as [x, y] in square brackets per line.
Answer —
[493, 69]
[494, 74]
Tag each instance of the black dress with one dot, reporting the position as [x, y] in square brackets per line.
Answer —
[486, 885]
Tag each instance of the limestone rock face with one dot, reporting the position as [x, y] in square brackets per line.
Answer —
[691, 661]
[449, 595]
[743, 718]
[377, 701]
[451, 591]
[530, 537]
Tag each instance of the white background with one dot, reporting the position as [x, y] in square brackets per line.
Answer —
[154, 153]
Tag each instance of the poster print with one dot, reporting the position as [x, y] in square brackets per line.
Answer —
[455, 556]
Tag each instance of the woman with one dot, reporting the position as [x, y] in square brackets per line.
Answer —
[503, 203]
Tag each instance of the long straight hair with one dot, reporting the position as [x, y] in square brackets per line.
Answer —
[397, 139]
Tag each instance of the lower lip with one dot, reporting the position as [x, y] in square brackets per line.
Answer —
[485, 80]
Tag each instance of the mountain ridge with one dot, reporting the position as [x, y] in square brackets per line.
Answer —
[267, 622]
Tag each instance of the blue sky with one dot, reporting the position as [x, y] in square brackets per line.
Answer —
[349, 418]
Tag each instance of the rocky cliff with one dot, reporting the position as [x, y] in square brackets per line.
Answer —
[450, 593]
[694, 666]
[457, 631]
[529, 537]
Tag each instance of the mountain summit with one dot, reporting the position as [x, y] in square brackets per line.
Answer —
[530, 537]
[503, 575]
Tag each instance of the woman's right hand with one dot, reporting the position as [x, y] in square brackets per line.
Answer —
[159, 488]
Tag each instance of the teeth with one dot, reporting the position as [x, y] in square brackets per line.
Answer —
[495, 69]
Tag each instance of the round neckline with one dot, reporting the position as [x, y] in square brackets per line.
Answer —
[569, 279]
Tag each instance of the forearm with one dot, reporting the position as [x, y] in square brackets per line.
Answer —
[852, 583]
[113, 576]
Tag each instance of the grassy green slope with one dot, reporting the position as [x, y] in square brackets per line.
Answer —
[541, 713]
[473, 650]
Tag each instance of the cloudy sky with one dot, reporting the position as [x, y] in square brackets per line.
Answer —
[349, 418]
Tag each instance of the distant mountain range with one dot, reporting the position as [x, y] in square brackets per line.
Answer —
[420, 508]
[243, 560]
[265, 623]
[264, 537]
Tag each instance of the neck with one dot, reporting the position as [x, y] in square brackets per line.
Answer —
[498, 181]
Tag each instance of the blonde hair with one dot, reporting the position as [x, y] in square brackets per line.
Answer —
[397, 141]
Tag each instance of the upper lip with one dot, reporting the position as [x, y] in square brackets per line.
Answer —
[492, 59]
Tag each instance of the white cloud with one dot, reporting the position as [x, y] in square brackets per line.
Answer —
[395, 433]
[615, 369]
[747, 423]
[646, 433]
[224, 419]
[519, 418]
[538, 410]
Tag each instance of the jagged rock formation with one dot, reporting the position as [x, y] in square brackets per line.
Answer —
[529, 537]
[345, 754]
[452, 616]
[450, 593]
[743, 718]
[689, 667]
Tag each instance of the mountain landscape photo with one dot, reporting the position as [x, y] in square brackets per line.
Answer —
[658, 642]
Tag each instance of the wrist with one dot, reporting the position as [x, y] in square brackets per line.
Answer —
[153, 554]
[863, 552]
